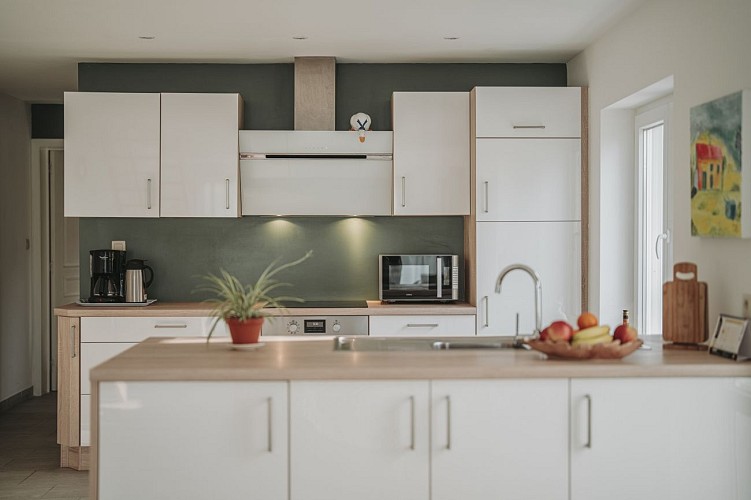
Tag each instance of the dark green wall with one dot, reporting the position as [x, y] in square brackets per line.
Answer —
[47, 121]
[345, 264]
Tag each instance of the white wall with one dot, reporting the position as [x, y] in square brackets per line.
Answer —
[15, 137]
[706, 46]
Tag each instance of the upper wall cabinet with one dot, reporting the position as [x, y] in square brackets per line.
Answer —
[114, 157]
[200, 158]
[527, 112]
[111, 155]
[431, 153]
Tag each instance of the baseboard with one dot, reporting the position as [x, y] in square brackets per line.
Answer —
[12, 401]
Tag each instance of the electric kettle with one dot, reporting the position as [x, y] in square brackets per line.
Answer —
[135, 280]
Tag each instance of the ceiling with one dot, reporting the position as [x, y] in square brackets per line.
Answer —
[41, 41]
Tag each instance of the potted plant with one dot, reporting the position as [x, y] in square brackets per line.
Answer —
[243, 308]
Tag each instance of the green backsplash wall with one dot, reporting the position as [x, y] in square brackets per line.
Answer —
[344, 265]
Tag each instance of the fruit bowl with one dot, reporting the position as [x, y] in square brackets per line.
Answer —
[564, 350]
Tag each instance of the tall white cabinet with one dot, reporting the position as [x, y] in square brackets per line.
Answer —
[152, 155]
[527, 178]
[431, 153]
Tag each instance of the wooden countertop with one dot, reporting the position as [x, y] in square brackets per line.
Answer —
[374, 308]
[193, 359]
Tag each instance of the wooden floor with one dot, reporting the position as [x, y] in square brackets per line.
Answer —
[30, 457]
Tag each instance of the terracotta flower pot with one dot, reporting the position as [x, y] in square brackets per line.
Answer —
[244, 332]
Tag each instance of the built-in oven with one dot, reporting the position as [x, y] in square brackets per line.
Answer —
[418, 278]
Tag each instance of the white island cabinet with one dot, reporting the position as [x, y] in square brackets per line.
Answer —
[194, 440]
[111, 155]
[660, 439]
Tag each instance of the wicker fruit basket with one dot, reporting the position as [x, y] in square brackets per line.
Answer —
[564, 350]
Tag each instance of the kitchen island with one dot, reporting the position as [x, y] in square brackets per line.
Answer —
[181, 418]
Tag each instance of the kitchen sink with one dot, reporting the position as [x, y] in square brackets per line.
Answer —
[424, 343]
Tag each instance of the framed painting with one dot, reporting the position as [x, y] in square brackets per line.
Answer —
[720, 172]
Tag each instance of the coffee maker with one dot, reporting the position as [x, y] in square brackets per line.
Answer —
[107, 269]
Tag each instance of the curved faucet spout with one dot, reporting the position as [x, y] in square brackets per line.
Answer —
[538, 289]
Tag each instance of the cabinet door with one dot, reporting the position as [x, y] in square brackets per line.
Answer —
[193, 440]
[68, 379]
[111, 155]
[528, 179]
[527, 111]
[499, 439]
[200, 158]
[431, 153]
[359, 439]
[552, 249]
[423, 326]
[656, 439]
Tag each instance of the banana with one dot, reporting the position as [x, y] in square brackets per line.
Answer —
[600, 339]
[592, 332]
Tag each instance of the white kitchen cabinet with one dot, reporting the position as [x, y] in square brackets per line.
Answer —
[359, 439]
[499, 439]
[193, 440]
[552, 249]
[431, 153]
[527, 111]
[423, 326]
[199, 155]
[660, 439]
[111, 155]
[528, 179]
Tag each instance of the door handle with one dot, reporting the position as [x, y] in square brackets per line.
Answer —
[448, 422]
[226, 182]
[486, 312]
[487, 194]
[663, 236]
[148, 194]
[412, 423]
[588, 399]
[270, 415]
[404, 191]
[73, 341]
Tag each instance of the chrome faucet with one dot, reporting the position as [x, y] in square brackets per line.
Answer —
[538, 294]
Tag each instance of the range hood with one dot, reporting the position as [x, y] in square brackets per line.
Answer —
[286, 172]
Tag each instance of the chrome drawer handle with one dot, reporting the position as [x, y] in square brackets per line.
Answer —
[183, 325]
[422, 325]
[148, 194]
[412, 422]
[448, 422]
[73, 341]
[227, 196]
[270, 420]
[404, 191]
[588, 398]
[529, 126]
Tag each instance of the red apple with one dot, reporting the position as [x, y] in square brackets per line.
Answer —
[625, 333]
[558, 331]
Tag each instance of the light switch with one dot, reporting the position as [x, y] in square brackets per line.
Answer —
[118, 245]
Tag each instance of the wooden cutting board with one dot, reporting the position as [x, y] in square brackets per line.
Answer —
[684, 306]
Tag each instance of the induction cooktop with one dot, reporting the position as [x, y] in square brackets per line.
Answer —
[342, 304]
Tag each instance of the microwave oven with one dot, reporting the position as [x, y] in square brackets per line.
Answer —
[418, 278]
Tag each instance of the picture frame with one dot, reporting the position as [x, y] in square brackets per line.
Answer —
[731, 338]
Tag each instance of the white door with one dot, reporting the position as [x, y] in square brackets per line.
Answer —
[552, 249]
[528, 179]
[63, 252]
[364, 440]
[193, 440]
[431, 153]
[111, 154]
[499, 439]
[199, 155]
[656, 439]
[654, 221]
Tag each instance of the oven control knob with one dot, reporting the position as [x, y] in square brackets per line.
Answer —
[292, 327]
[336, 327]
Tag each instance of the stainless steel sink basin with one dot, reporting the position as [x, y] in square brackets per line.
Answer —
[424, 343]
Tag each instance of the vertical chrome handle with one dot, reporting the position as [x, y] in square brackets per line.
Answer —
[148, 194]
[270, 415]
[439, 277]
[588, 398]
[404, 191]
[72, 341]
[487, 200]
[486, 312]
[412, 423]
[226, 183]
[448, 422]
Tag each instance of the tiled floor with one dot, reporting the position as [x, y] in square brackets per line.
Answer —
[30, 457]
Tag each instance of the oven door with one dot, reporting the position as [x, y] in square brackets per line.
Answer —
[417, 278]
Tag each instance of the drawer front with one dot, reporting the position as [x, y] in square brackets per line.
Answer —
[119, 329]
[423, 326]
[528, 112]
[86, 420]
[93, 354]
